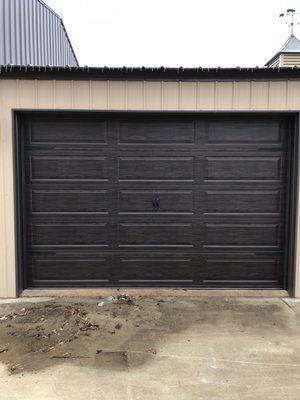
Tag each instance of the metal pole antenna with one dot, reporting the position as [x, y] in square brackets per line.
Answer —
[290, 13]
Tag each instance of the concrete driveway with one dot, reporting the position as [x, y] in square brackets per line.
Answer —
[150, 348]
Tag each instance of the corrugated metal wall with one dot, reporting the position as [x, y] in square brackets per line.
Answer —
[31, 33]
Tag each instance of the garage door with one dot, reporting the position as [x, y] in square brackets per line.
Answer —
[154, 200]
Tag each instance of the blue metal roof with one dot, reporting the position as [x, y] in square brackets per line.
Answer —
[292, 45]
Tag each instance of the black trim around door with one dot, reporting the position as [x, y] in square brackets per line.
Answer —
[292, 195]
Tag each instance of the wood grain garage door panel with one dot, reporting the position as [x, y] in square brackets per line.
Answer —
[156, 235]
[69, 235]
[233, 132]
[244, 168]
[156, 168]
[67, 130]
[68, 168]
[139, 200]
[69, 201]
[221, 270]
[242, 235]
[167, 268]
[242, 201]
[48, 270]
[157, 132]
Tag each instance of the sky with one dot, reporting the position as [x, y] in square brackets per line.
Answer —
[173, 33]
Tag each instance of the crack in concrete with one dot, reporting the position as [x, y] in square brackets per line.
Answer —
[220, 360]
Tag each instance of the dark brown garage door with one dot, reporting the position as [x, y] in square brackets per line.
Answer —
[168, 200]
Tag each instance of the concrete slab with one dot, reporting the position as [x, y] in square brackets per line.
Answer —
[150, 292]
[150, 348]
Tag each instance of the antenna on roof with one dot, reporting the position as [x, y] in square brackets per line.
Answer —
[290, 14]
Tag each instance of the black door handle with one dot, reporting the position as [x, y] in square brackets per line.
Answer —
[155, 202]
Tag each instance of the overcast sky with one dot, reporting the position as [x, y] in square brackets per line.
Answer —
[189, 33]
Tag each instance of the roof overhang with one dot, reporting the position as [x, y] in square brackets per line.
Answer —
[145, 73]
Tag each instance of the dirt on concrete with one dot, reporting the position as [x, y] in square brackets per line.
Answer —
[113, 332]
[143, 348]
[36, 336]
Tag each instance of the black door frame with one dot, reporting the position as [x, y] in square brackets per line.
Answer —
[292, 189]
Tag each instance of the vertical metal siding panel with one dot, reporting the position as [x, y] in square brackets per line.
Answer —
[170, 95]
[64, 50]
[297, 244]
[7, 32]
[15, 34]
[21, 35]
[45, 95]
[135, 95]
[81, 93]
[3, 251]
[50, 30]
[54, 59]
[117, 96]
[59, 48]
[55, 55]
[260, 95]
[224, 95]
[63, 94]
[2, 33]
[26, 36]
[62, 47]
[30, 35]
[66, 55]
[41, 37]
[153, 96]
[48, 39]
[27, 94]
[59, 45]
[206, 96]
[293, 95]
[99, 100]
[51, 42]
[38, 33]
[277, 95]
[44, 22]
[188, 96]
[13, 31]
[45, 38]
[34, 34]
[8, 100]
[241, 95]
